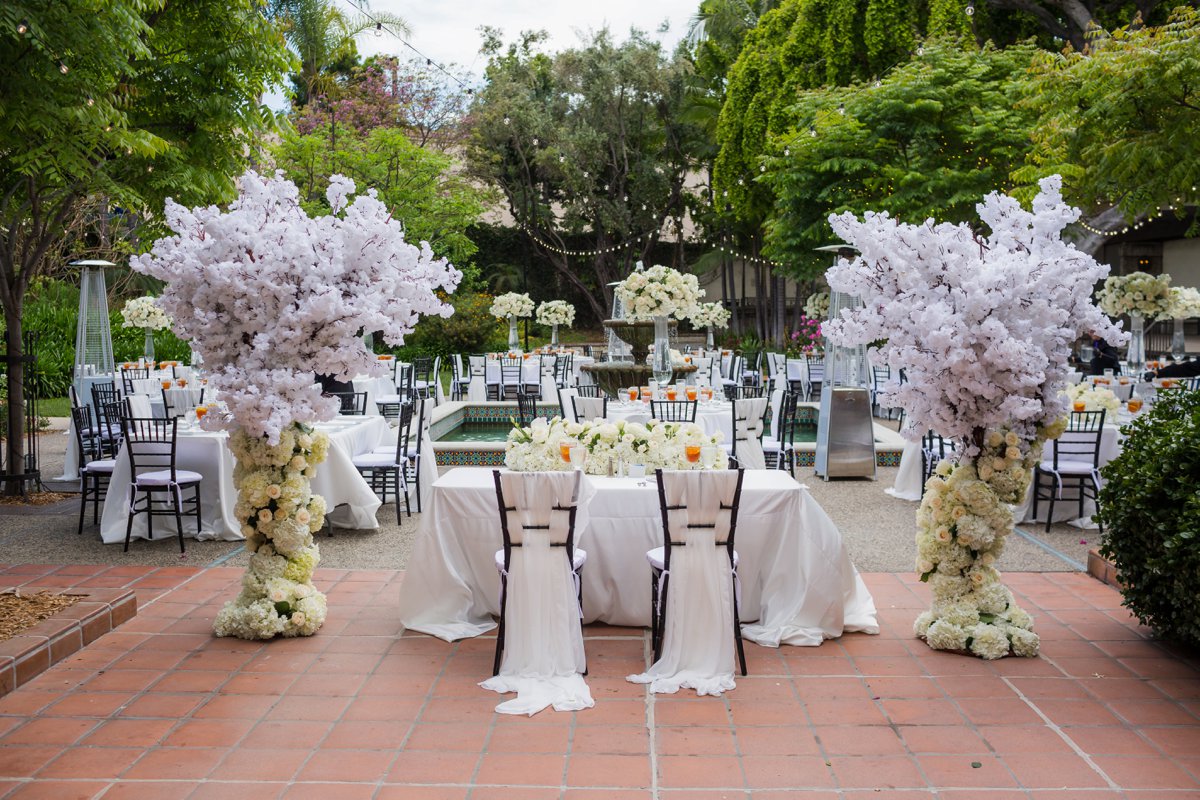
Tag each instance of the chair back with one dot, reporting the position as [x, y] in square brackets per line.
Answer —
[566, 404]
[423, 368]
[526, 409]
[87, 444]
[1189, 383]
[404, 431]
[704, 370]
[744, 392]
[354, 404]
[562, 369]
[537, 501]
[531, 371]
[880, 377]
[816, 368]
[456, 369]
[748, 430]
[138, 405]
[1081, 440]
[786, 419]
[510, 370]
[673, 410]
[150, 444]
[590, 408]
[692, 500]
[131, 374]
[934, 449]
[404, 381]
[103, 394]
[177, 402]
[589, 390]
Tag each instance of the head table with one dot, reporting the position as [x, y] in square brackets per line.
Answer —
[351, 502]
[798, 584]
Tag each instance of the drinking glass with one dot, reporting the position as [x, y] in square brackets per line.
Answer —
[633, 393]
[564, 449]
[200, 412]
[166, 384]
[1079, 405]
[671, 393]
[1135, 405]
[692, 451]
[691, 393]
[577, 454]
[708, 455]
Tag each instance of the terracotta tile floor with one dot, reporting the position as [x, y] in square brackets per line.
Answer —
[160, 709]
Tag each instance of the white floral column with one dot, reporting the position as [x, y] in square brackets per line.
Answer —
[279, 515]
[983, 327]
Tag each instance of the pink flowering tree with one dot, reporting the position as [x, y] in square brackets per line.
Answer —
[268, 296]
[983, 327]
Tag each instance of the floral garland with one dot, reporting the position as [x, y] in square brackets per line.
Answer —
[556, 312]
[1185, 302]
[1094, 398]
[1136, 293]
[144, 313]
[512, 304]
[807, 339]
[961, 527]
[654, 444]
[710, 315]
[279, 515]
[817, 306]
[659, 292]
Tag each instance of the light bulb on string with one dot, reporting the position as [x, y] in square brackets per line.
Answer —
[63, 68]
[23, 27]
[507, 120]
[812, 131]
[878, 83]
[379, 29]
[91, 101]
[921, 50]
[970, 10]
[842, 109]
[787, 151]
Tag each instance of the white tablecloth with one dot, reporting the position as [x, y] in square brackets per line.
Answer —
[798, 584]
[714, 417]
[909, 477]
[350, 499]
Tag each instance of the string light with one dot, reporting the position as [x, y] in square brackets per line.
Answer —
[379, 29]
[970, 10]
[23, 27]
[429, 62]
[62, 67]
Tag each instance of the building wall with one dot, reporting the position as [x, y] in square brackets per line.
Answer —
[1181, 260]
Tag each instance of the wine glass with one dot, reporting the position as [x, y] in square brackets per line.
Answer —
[708, 455]
[578, 454]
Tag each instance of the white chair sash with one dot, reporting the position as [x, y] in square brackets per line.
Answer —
[589, 408]
[748, 430]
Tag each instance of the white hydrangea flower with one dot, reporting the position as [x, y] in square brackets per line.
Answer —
[555, 312]
[512, 304]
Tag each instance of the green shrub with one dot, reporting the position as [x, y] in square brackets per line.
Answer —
[472, 329]
[1150, 507]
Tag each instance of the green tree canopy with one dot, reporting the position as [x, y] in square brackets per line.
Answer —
[588, 140]
[929, 140]
[118, 104]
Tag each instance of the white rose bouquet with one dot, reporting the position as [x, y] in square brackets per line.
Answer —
[657, 445]
[1185, 302]
[1094, 398]
[710, 315]
[144, 313]
[1136, 293]
[555, 312]
[659, 292]
[817, 306]
[512, 304]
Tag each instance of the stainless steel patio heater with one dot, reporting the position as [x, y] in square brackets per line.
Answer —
[93, 337]
[845, 430]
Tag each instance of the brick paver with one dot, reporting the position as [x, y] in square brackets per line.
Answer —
[160, 709]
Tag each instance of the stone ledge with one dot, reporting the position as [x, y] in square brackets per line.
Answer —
[24, 657]
[1102, 569]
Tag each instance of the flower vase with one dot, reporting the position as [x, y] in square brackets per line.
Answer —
[278, 514]
[554, 335]
[148, 349]
[708, 339]
[1178, 342]
[660, 366]
[963, 521]
[1136, 355]
[514, 341]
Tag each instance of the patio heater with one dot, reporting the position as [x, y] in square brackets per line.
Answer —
[93, 337]
[618, 349]
[845, 430]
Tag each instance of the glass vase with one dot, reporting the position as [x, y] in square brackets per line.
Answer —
[1136, 355]
[660, 366]
[1178, 342]
[149, 347]
[708, 339]
[514, 341]
[554, 335]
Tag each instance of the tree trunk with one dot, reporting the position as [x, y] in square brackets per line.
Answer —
[15, 446]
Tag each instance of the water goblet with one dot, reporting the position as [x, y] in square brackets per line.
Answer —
[708, 455]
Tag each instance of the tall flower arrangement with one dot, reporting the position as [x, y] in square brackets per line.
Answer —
[710, 315]
[817, 306]
[268, 296]
[1136, 293]
[983, 327]
[659, 292]
[144, 313]
[556, 312]
[1185, 302]
[512, 304]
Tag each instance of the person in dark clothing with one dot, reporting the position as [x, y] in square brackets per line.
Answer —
[1104, 356]
[1180, 369]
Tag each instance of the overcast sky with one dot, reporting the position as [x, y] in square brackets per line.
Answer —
[448, 30]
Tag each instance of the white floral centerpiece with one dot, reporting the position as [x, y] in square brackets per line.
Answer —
[1094, 398]
[655, 444]
[144, 313]
[269, 296]
[1185, 302]
[710, 315]
[512, 304]
[556, 312]
[983, 327]
[659, 292]
[817, 306]
[1136, 293]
